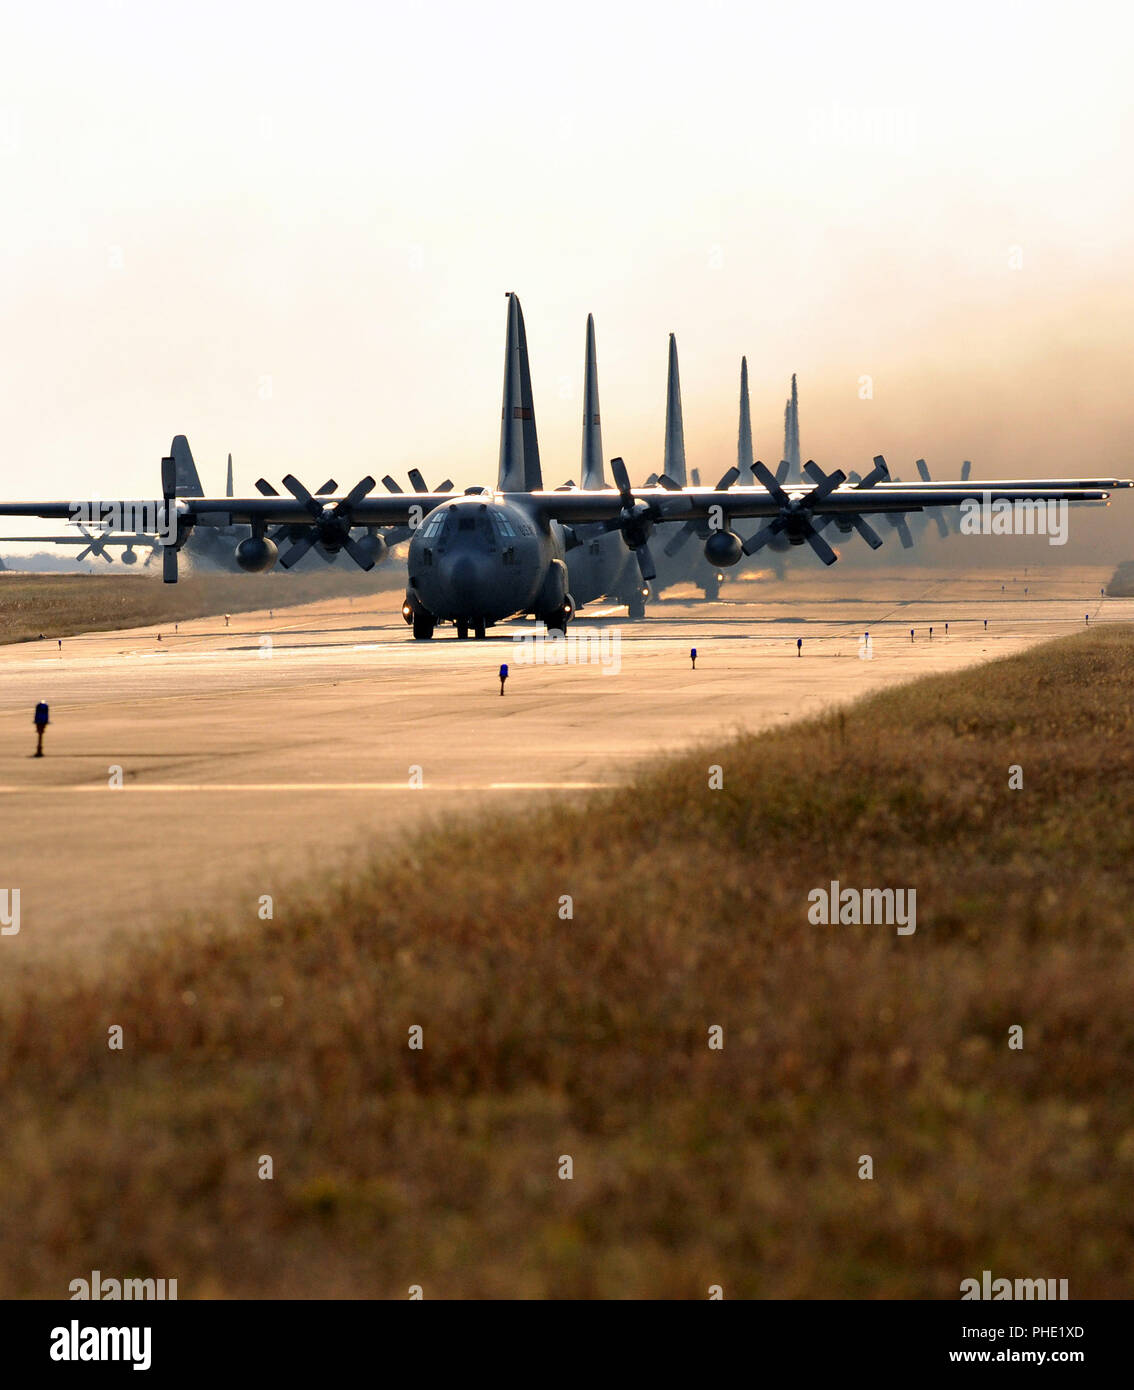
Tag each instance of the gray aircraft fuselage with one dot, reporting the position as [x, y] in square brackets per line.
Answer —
[479, 558]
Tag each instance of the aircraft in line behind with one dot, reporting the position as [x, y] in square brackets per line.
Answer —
[482, 556]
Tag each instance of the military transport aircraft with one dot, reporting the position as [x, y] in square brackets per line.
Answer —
[486, 555]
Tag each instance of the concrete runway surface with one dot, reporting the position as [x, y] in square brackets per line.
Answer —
[244, 765]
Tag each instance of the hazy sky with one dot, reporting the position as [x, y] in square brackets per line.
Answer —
[287, 230]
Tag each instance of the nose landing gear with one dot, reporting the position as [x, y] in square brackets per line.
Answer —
[558, 618]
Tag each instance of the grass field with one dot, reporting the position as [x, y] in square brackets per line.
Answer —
[589, 1037]
[61, 605]
[1122, 581]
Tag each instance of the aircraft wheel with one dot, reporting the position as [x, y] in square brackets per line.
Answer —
[637, 607]
[478, 630]
[422, 627]
[462, 631]
[712, 588]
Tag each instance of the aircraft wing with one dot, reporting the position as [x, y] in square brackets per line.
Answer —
[153, 542]
[798, 508]
[697, 503]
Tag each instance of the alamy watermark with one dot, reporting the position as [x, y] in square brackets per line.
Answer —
[146, 518]
[580, 646]
[10, 912]
[871, 906]
[986, 1287]
[1026, 516]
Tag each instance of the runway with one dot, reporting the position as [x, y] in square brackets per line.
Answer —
[215, 765]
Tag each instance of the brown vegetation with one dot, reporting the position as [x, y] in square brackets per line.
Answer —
[545, 1037]
[61, 605]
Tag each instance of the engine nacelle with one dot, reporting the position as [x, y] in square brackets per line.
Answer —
[376, 545]
[129, 557]
[723, 548]
[256, 555]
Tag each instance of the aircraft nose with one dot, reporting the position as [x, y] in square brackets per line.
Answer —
[469, 582]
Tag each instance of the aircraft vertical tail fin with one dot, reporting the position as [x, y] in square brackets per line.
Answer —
[674, 465]
[519, 445]
[744, 436]
[594, 474]
[228, 479]
[188, 482]
[791, 454]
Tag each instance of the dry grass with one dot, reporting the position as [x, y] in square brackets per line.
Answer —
[1122, 581]
[61, 605]
[589, 1037]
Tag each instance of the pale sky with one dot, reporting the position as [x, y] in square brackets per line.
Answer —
[288, 230]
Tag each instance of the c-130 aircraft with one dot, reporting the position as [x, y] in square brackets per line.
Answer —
[481, 557]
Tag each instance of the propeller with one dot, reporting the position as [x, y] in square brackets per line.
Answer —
[935, 512]
[697, 526]
[332, 524]
[795, 512]
[169, 496]
[96, 545]
[292, 532]
[878, 474]
[636, 519]
[417, 481]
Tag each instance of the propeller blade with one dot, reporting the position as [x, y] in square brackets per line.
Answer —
[299, 549]
[417, 481]
[880, 463]
[265, 488]
[761, 538]
[867, 532]
[168, 479]
[651, 481]
[783, 468]
[724, 482]
[826, 483]
[820, 547]
[695, 477]
[169, 564]
[356, 494]
[391, 486]
[646, 563]
[446, 486]
[86, 550]
[329, 486]
[359, 553]
[668, 483]
[899, 523]
[966, 469]
[771, 483]
[923, 471]
[673, 545]
[300, 493]
[942, 525]
[621, 477]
